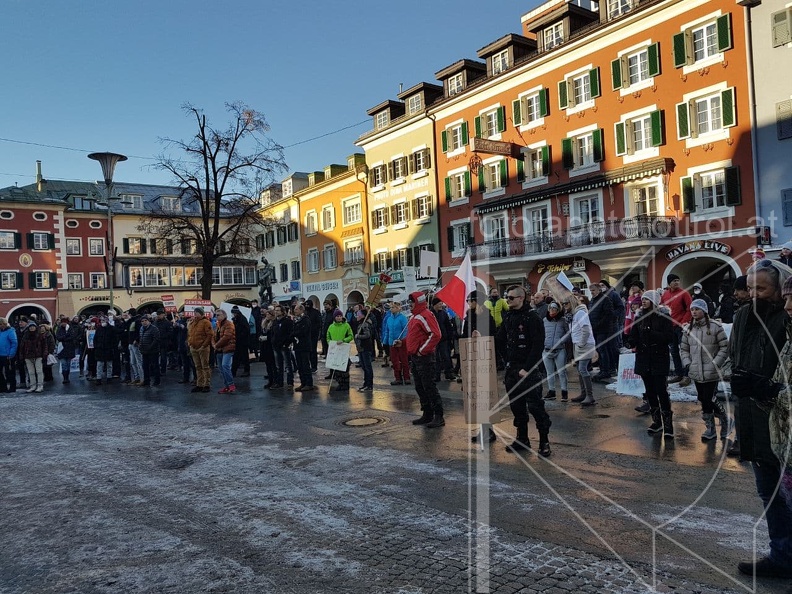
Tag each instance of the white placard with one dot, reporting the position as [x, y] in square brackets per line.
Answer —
[429, 264]
[410, 282]
[338, 355]
[628, 383]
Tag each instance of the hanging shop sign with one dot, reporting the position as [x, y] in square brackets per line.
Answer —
[702, 245]
[493, 147]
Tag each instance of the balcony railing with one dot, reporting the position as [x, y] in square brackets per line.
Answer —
[599, 233]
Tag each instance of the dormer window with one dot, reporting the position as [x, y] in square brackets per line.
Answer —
[414, 104]
[500, 62]
[382, 120]
[455, 84]
[82, 203]
[553, 36]
[618, 7]
[287, 188]
[171, 203]
[132, 201]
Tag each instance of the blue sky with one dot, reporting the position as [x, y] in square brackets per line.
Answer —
[97, 75]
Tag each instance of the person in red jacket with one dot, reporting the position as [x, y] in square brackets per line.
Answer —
[678, 301]
[423, 335]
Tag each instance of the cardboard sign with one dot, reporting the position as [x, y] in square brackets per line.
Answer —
[480, 388]
[169, 303]
[338, 355]
[628, 383]
[191, 304]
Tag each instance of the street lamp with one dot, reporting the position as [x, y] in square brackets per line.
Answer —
[108, 162]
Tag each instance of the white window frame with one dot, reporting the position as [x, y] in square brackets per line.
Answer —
[699, 172]
[40, 241]
[577, 199]
[616, 8]
[688, 29]
[489, 123]
[93, 241]
[500, 62]
[381, 260]
[140, 276]
[400, 168]
[71, 284]
[696, 138]
[455, 84]
[296, 269]
[456, 146]
[423, 206]
[132, 201]
[583, 160]
[643, 189]
[311, 223]
[328, 225]
[494, 180]
[313, 261]
[493, 232]
[528, 217]
[330, 249]
[11, 283]
[460, 229]
[98, 280]
[573, 106]
[530, 109]
[421, 167]
[70, 243]
[533, 165]
[177, 276]
[7, 241]
[414, 104]
[350, 218]
[379, 175]
[629, 120]
[353, 252]
[42, 280]
[170, 203]
[457, 180]
[401, 214]
[382, 120]
[553, 36]
[381, 214]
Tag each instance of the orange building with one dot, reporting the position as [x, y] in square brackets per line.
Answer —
[334, 247]
[607, 144]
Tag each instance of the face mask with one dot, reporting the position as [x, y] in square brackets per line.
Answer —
[104, 324]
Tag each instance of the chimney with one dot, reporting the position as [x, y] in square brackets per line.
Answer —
[39, 179]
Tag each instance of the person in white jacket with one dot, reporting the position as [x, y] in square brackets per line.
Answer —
[704, 350]
[584, 347]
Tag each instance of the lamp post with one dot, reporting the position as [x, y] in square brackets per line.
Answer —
[108, 162]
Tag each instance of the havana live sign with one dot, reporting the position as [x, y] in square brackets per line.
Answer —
[702, 245]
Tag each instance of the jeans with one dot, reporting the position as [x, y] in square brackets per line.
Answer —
[163, 361]
[187, 365]
[777, 512]
[604, 351]
[555, 364]
[283, 363]
[203, 375]
[366, 358]
[136, 362]
[65, 365]
[224, 361]
[35, 371]
[102, 370]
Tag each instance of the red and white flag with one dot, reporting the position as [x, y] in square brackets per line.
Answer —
[455, 293]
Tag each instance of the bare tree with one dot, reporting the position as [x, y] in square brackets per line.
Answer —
[220, 174]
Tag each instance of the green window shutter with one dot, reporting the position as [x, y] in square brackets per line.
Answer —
[20, 279]
[477, 126]
[728, 108]
[450, 231]
[563, 101]
[53, 278]
[468, 184]
[448, 189]
[373, 219]
[546, 161]
[724, 32]
[444, 140]
[594, 80]
[658, 129]
[680, 50]
[465, 136]
[688, 194]
[544, 102]
[17, 240]
[501, 119]
[517, 112]
[616, 73]
[520, 170]
[733, 193]
[482, 180]
[126, 245]
[653, 52]
[683, 120]
[504, 171]
[29, 240]
[51, 241]
[599, 149]
[621, 139]
[566, 153]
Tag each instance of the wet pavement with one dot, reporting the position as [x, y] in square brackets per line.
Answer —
[121, 489]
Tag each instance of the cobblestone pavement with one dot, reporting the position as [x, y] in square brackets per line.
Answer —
[107, 492]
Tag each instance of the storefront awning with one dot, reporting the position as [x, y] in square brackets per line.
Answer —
[640, 170]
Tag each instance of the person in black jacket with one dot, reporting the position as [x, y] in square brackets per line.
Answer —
[316, 330]
[651, 333]
[327, 321]
[281, 338]
[301, 339]
[267, 354]
[603, 323]
[104, 341]
[255, 343]
[165, 329]
[185, 358]
[449, 335]
[364, 340]
[523, 332]
[241, 352]
[68, 337]
[149, 344]
[478, 322]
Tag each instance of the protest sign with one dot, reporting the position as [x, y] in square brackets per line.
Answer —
[191, 304]
[338, 355]
[429, 264]
[628, 383]
[480, 386]
[169, 303]
[410, 282]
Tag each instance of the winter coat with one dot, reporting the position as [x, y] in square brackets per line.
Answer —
[104, 343]
[364, 339]
[601, 315]
[315, 319]
[704, 349]
[165, 329]
[556, 332]
[423, 331]
[327, 321]
[8, 343]
[447, 328]
[242, 328]
[33, 345]
[301, 335]
[478, 319]
[757, 335]
[497, 308]
[523, 332]
[781, 412]
[618, 304]
[199, 333]
[281, 333]
[394, 328]
[225, 337]
[582, 334]
[651, 334]
[340, 331]
[180, 333]
[149, 342]
[678, 302]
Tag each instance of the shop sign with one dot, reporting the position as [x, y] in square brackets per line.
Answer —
[397, 276]
[291, 287]
[543, 267]
[95, 298]
[236, 295]
[323, 287]
[493, 147]
[579, 266]
[703, 245]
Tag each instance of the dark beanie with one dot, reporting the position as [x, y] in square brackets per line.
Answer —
[741, 283]
[637, 283]
[671, 278]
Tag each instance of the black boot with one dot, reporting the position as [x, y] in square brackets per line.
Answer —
[437, 421]
[425, 419]
[657, 422]
[492, 437]
[66, 377]
[544, 445]
[644, 407]
[551, 395]
[521, 442]
[668, 424]
[564, 396]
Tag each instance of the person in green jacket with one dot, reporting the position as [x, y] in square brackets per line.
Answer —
[497, 306]
[340, 332]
